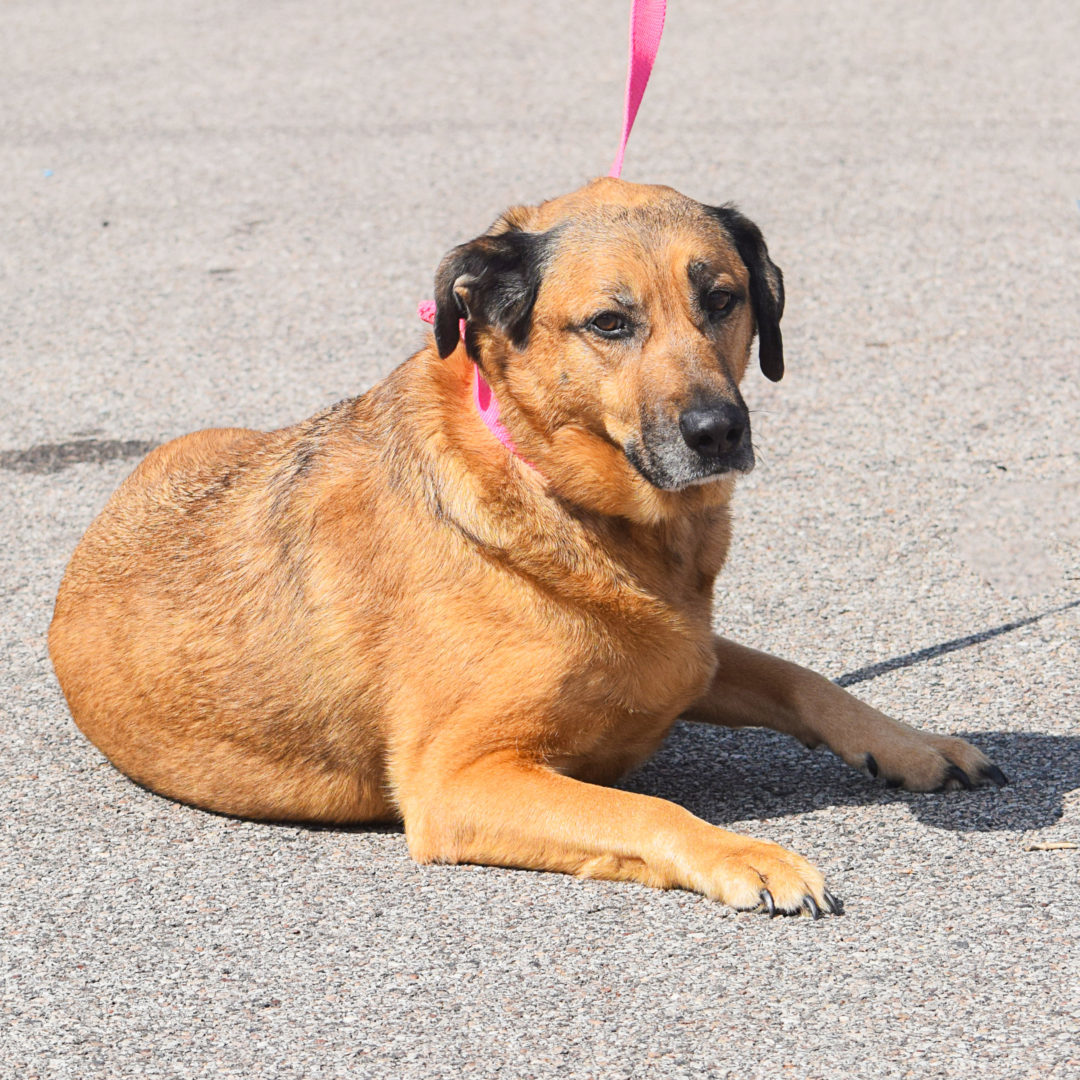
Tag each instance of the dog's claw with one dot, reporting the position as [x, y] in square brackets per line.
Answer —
[835, 904]
[954, 772]
[871, 765]
[811, 905]
[994, 774]
[767, 900]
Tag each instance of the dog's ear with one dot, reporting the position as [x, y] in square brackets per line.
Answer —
[490, 281]
[766, 286]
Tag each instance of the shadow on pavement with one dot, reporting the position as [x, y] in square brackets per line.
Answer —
[872, 671]
[725, 775]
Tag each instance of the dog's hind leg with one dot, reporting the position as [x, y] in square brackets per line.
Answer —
[754, 689]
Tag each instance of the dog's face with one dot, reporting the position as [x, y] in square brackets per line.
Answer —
[617, 323]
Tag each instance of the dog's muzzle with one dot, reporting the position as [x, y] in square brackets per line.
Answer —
[707, 441]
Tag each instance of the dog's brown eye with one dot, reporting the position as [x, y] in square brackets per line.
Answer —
[610, 324]
[718, 301]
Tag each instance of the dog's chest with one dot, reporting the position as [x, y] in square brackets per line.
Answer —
[648, 631]
[651, 661]
[624, 694]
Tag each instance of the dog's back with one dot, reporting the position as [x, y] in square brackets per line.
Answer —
[196, 571]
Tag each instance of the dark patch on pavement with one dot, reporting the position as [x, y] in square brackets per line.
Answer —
[749, 774]
[55, 457]
[872, 671]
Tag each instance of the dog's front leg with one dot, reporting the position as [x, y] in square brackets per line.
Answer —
[754, 689]
[505, 811]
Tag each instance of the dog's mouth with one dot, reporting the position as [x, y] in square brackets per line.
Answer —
[670, 467]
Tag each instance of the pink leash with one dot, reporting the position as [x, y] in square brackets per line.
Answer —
[646, 27]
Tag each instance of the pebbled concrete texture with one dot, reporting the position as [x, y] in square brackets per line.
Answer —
[225, 214]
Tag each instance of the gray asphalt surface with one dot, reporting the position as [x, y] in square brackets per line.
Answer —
[225, 213]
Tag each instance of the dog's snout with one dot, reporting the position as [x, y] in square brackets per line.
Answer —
[716, 431]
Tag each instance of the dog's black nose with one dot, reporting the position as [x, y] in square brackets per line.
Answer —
[716, 431]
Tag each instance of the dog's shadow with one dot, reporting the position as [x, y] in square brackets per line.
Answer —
[725, 775]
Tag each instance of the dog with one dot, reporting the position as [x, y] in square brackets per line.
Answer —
[400, 610]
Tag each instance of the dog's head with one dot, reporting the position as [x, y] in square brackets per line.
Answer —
[615, 325]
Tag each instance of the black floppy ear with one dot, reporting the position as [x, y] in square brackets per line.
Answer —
[490, 281]
[766, 286]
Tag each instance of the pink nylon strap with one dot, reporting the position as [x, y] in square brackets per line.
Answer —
[487, 405]
[646, 26]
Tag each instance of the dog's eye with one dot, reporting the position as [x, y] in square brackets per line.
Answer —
[719, 301]
[610, 324]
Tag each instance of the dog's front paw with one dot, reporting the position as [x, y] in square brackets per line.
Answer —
[758, 876]
[919, 761]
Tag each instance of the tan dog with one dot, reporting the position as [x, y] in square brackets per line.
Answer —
[383, 613]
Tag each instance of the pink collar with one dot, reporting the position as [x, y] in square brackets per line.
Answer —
[487, 405]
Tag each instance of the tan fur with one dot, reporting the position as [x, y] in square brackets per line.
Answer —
[380, 614]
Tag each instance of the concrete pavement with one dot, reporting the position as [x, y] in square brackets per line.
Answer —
[225, 213]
